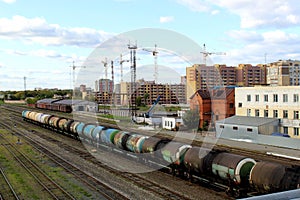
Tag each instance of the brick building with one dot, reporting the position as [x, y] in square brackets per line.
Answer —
[213, 105]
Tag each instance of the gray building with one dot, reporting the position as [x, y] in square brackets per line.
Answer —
[246, 128]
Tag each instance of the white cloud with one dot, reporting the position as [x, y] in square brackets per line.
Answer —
[253, 14]
[251, 46]
[39, 31]
[263, 13]
[166, 19]
[195, 5]
[243, 35]
[9, 1]
[215, 12]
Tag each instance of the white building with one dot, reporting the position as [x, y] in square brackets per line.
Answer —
[281, 102]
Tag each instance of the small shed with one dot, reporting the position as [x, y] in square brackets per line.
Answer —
[243, 127]
[171, 123]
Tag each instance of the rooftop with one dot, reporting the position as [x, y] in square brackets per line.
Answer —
[247, 121]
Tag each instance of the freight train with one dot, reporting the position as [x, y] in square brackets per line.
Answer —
[240, 174]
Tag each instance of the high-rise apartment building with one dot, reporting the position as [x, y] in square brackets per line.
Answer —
[248, 75]
[283, 73]
[202, 77]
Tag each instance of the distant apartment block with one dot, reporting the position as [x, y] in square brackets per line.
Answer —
[280, 102]
[201, 77]
[104, 89]
[283, 73]
[248, 75]
[148, 91]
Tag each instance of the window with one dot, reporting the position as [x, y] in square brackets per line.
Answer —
[235, 128]
[256, 113]
[266, 113]
[248, 97]
[285, 114]
[296, 131]
[221, 126]
[296, 114]
[257, 98]
[285, 130]
[231, 105]
[296, 97]
[248, 112]
[240, 105]
[285, 98]
[275, 97]
[249, 129]
[275, 113]
[266, 98]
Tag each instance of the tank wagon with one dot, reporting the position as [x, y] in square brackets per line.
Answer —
[240, 174]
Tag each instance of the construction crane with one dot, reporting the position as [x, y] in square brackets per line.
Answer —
[154, 53]
[105, 66]
[74, 68]
[121, 66]
[205, 54]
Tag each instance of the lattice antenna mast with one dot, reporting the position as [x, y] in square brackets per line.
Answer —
[133, 49]
[205, 54]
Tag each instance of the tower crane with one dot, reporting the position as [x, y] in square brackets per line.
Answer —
[205, 54]
[154, 53]
[105, 66]
[74, 68]
[121, 66]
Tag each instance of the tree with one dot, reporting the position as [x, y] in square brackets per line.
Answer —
[191, 119]
[146, 96]
[138, 101]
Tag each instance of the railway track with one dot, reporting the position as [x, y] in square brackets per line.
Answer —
[104, 191]
[49, 185]
[135, 179]
[170, 194]
[245, 152]
[6, 189]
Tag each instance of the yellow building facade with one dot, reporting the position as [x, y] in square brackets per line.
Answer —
[281, 102]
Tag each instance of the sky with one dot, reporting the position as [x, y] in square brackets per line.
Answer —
[41, 39]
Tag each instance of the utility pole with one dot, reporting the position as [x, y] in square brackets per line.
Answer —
[205, 54]
[154, 53]
[265, 58]
[132, 49]
[113, 82]
[25, 87]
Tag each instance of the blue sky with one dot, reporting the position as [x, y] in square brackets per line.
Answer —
[40, 39]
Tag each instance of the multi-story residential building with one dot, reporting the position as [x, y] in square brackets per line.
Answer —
[272, 102]
[104, 91]
[284, 73]
[228, 74]
[213, 105]
[248, 75]
[202, 77]
[149, 91]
